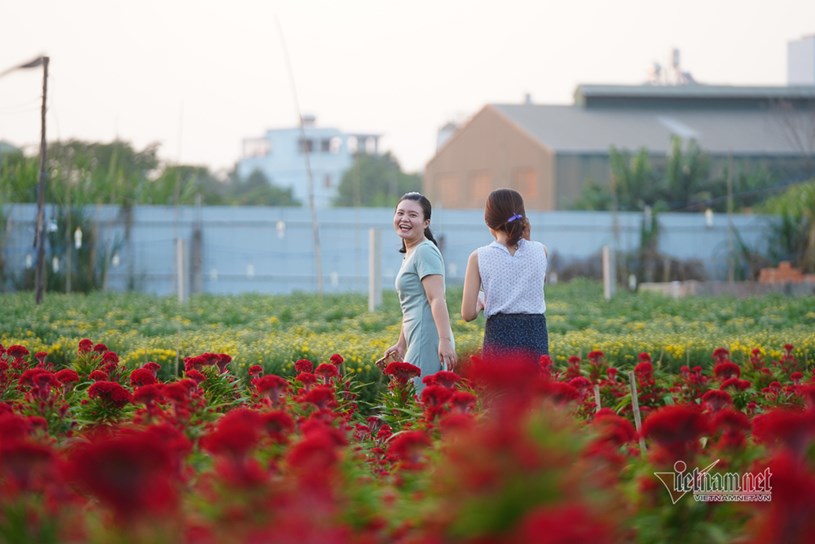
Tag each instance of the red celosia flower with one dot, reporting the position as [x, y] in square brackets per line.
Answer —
[735, 384]
[326, 372]
[793, 429]
[676, 428]
[716, 399]
[142, 376]
[337, 359]
[14, 427]
[402, 371]
[237, 433]
[255, 371]
[644, 356]
[196, 362]
[807, 391]
[27, 377]
[110, 358]
[303, 365]
[463, 401]
[271, 386]
[406, 449]
[85, 345]
[17, 351]
[444, 378]
[796, 377]
[582, 384]
[560, 392]
[40, 356]
[720, 354]
[26, 466]
[562, 524]
[179, 391]
[306, 378]
[196, 376]
[321, 396]
[726, 369]
[644, 372]
[110, 393]
[313, 458]
[135, 474]
[99, 376]
[100, 348]
[67, 375]
[788, 517]
[435, 396]
[278, 424]
[733, 425]
[223, 360]
[614, 429]
[153, 367]
[149, 394]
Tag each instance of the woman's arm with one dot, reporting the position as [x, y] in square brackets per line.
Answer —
[434, 289]
[472, 285]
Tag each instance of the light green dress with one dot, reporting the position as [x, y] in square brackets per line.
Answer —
[421, 336]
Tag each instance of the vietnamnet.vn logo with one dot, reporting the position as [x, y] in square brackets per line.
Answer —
[708, 486]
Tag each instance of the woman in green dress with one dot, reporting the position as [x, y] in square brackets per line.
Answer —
[426, 339]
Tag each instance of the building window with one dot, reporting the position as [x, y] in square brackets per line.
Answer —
[336, 145]
[325, 145]
[370, 145]
[257, 148]
[305, 146]
[327, 181]
[352, 144]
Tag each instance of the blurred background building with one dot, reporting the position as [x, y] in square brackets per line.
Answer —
[288, 156]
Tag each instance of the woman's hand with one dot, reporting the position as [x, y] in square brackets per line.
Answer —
[447, 355]
[395, 352]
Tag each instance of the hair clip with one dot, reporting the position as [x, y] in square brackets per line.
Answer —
[514, 217]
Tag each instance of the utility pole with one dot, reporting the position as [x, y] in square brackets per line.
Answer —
[39, 237]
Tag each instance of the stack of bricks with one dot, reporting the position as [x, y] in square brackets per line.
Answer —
[784, 273]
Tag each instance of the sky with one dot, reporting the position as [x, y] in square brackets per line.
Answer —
[199, 76]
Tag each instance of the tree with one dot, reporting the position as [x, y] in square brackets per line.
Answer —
[633, 180]
[686, 182]
[375, 181]
[258, 190]
[794, 236]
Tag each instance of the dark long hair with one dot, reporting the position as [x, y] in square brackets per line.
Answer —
[505, 212]
[427, 209]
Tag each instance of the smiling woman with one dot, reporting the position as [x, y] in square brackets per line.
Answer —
[425, 337]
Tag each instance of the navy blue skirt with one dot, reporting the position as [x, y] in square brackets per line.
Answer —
[516, 335]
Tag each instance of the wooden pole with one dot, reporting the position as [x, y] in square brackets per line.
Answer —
[39, 272]
[635, 405]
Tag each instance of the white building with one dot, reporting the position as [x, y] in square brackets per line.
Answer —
[285, 156]
[801, 61]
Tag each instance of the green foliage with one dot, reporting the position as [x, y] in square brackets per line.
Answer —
[633, 179]
[794, 236]
[275, 331]
[375, 180]
[258, 190]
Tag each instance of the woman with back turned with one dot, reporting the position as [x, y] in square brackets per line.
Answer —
[505, 279]
[425, 339]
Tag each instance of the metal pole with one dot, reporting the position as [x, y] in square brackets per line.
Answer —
[39, 273]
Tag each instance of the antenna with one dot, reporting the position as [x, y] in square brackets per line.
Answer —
[315, 226]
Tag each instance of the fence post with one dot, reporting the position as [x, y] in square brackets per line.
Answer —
[635, 405]
[374, 270]
[179, 269]
[609, 273]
